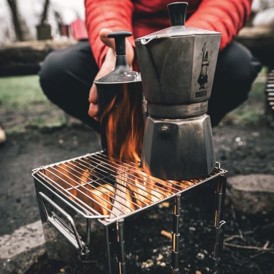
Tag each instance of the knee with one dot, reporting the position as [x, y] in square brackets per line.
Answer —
[236, 66]
[50, 74]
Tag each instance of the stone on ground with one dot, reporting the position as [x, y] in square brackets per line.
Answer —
[252, 194]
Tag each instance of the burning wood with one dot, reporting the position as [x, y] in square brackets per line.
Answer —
[112, 188]
[61, 176]
[122, 202]
[99, 198]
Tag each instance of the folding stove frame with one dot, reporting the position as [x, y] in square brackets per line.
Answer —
[95, 187]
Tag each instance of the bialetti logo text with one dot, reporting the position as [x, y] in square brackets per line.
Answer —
[202, 80]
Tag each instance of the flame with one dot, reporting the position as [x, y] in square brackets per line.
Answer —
[135, 188]
[124, 125]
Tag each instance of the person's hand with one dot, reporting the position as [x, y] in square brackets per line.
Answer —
[107, 66]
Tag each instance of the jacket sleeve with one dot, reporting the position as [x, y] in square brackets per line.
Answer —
[226, 17]
[112, 14]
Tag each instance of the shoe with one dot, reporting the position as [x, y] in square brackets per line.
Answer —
[3, 137]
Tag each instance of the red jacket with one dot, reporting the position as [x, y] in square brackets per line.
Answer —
[142, 17]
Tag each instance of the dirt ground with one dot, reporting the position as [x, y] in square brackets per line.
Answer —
[240, 150]
[242, 147]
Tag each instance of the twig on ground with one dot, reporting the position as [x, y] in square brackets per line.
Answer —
[232, 237]
[241, 236]
[264, 248]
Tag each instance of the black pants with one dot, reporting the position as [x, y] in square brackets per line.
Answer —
[67, 75]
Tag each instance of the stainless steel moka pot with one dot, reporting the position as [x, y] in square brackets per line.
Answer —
[177, 66]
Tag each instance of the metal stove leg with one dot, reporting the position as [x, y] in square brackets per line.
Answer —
[121, 241]
[176, 235]
[108, 250]
[218, 221]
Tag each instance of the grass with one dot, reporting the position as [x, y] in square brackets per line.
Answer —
[23, 105]
[251, 112]
[20, 92]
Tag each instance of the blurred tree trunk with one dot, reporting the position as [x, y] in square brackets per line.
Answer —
[45, 13]
[20, 27]
[13, 7]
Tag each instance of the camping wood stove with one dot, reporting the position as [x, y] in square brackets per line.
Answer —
[79, 195]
